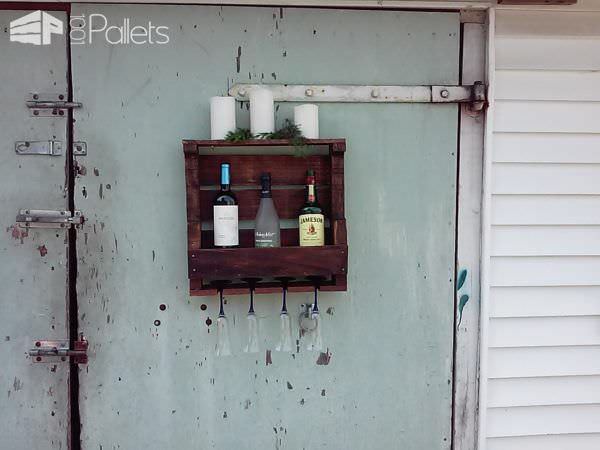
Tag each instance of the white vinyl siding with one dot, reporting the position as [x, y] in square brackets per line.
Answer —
[542, 363]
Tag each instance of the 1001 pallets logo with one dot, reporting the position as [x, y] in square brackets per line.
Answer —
[37, 28]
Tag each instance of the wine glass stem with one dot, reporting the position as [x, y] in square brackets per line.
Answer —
[316, 305]
[221, 309]
[283, 304]
[251, 310]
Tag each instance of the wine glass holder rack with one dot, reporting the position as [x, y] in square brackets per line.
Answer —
[209, 266]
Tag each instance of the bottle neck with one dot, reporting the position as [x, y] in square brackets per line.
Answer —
[311, 193]
[265, 191]
[225, 182]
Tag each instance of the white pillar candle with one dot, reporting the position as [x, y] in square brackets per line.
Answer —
[222, 116]
[262, 111]
[306, 117]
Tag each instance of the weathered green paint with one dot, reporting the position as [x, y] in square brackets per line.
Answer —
[33, 268]
[387, 383]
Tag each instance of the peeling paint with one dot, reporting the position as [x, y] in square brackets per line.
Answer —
[43, 250]
[324, 358]
[268, 359]
[238, 59]
[18, 233]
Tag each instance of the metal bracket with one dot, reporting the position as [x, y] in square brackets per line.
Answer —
[42, 218]
[49, 105]
[47, 351]
[79, 148]
[473, 94]
[51, 148]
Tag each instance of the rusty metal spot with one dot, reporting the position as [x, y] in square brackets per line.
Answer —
[43, 250]
[322, 392]
[289, 385]
[324, 358]
[162, 307]
[330, 310]
[18, 233]
[268, 359]
[157, 323]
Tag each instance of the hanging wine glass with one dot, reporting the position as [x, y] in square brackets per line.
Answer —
[316, 343]
[253, 345]
[285, 323]
[223, 347]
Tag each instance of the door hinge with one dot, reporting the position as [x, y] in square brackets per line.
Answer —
[49, 105]
[45, 351]
[50, 148]
[474, 95]
[42, 218]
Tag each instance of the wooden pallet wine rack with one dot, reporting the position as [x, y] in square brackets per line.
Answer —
[207, 264]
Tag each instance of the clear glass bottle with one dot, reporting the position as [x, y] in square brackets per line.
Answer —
[267, 232]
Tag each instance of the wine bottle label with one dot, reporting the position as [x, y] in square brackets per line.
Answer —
[265, 239]
[312, 230]
[226, 225]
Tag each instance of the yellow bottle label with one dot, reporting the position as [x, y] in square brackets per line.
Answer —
[312, 230]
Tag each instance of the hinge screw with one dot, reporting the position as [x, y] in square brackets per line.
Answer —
[309, 92]
[444, 93]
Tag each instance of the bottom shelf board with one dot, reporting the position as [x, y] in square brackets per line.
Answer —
[268, 288]
[238, 263]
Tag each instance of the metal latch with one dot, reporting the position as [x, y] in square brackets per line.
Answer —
[42, 218]
[474, 94]
[49, 105]
[51, 148]
[45, 351]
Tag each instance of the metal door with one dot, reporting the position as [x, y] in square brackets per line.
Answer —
[33, 263]
[153, 381]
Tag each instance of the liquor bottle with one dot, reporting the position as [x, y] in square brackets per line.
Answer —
[311, 221]
[266, 233]
[225, 213]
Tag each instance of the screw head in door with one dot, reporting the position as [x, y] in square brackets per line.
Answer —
[375, 93]
[444, 93]
[309, 92]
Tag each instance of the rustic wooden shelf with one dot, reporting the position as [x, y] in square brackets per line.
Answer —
[207, 264]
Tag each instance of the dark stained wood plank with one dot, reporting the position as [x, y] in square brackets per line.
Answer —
[287, 202]
[191, 145]
[238, 263]
[247, 169]
[289, 238]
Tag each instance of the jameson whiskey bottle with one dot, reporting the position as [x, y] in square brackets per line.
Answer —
[311, 221]
[225, 213]
[266, 233]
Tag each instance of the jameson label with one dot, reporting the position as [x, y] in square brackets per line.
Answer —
[226, 225]
[312, 230]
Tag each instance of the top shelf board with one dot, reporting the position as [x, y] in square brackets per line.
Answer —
[191, 146]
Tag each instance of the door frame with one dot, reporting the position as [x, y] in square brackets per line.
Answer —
[476, 17]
